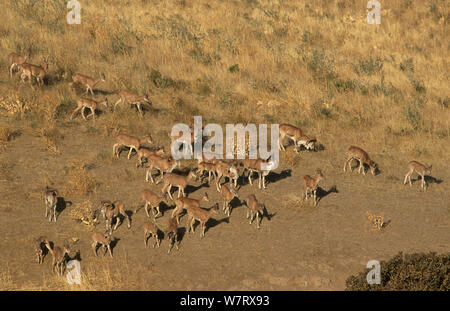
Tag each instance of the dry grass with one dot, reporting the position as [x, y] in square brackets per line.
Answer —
[84, 212]
[15, 105]
[315, 64]
[5, 134]
[100, 274]
[236, 62]
[6, 281]
[296, 201]
[290, 157]
[79, 180]
[375, 222]
[51, 137]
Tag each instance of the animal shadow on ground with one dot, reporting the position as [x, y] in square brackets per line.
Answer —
[271, 178]
[287, 143]
[76, 257]
[52, 245]
[204, 182]
[122, 148]
[88, 114]
[45, 250]
[129, 214]
[154, 110]
[431, 180]
[80, 90]
[267, 215]
[144, 160]
[189, 188]
[181, 232]
[144, 107]
[319, 147]
[321, 193]
[102, 92]
[163, 207]
[53, 79]
[366, 169]
[274, 177]
[386, 223]
[181, 171]
[211, 223]
[161, 234]
[14, 134]
[234, 204]
[61, 205]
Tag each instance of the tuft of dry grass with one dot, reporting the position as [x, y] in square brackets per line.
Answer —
[6, 281]
[376, 222]
[15, 105]
[51, 137]
[6, 171]
[293, 200]
[84, 212]
[5, 134]
[79, 180]
[237, 62]
[290, 157]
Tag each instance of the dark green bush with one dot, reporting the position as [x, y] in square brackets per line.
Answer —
[234, 68]
[417, 85]
[159, 80]
[407, 272]
[344, 86]
[321, 66]
[444, 102]
[407, 65]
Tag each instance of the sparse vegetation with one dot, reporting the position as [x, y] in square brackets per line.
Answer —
[79, 180]
[319, 66]
[376, 222]
[84, 212]
[5, 134]
[51, 137]
[408, 272]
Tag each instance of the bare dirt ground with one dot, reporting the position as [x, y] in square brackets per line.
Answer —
[301, 247]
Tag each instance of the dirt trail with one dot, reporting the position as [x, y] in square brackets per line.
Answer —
[301, 247]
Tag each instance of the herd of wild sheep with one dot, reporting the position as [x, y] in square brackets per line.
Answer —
[114, 211]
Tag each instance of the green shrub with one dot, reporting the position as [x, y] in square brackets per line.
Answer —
[321, 66]
[444, 102]
[417, 85]
[203, 58]
[159, 80]
[234, 68]
[119, 46]
[407, 65]
[369, 66]
[409, 272]
[413, 116]
[65, 106]
[203, 89]
[344, 86]
[319, 110]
